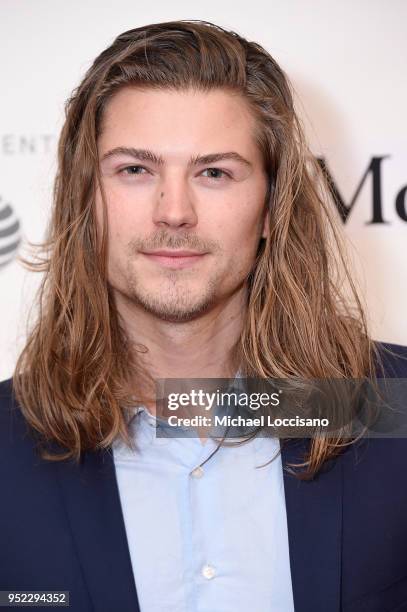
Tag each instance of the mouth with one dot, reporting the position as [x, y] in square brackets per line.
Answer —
[174, 259]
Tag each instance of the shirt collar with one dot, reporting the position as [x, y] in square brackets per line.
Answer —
[143, 409]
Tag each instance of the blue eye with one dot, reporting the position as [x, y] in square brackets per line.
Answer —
[216, 170]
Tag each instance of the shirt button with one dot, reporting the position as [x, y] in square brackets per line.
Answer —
[208, 571]
[197, 472]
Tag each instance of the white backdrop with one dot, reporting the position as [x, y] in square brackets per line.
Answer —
[347, 62]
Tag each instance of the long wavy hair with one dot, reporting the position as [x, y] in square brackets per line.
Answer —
[304, 317]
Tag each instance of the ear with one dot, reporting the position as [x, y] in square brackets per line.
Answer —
[266, 223]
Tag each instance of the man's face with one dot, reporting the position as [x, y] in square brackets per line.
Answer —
[183, 230]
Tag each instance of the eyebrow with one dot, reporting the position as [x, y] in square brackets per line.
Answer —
[146, 155]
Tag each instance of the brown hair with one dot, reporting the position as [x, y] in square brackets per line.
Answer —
[72, 377]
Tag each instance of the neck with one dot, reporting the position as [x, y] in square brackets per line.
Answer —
[202, 348]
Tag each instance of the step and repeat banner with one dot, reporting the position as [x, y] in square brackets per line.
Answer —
[346, 61]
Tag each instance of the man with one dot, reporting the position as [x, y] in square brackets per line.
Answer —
[189, 239]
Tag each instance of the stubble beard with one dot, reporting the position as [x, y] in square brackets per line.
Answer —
[174, 301]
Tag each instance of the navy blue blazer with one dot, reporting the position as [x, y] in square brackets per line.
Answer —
[61, 525]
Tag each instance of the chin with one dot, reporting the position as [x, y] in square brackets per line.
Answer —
[177, 317]
[175, 311]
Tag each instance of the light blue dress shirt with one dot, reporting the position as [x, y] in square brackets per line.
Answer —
[205, 534]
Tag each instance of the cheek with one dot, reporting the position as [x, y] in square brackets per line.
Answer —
[116, 225]
[241, 230]
[123, 213]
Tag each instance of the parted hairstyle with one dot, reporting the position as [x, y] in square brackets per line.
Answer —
[72, 377]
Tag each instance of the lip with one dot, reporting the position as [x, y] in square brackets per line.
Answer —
[174, 259]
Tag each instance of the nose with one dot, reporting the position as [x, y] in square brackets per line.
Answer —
[174, 205]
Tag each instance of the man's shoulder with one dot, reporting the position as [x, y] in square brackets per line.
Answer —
[393, 360]
[6, 387]
[8, 402]
[384, 455]
[12, 423]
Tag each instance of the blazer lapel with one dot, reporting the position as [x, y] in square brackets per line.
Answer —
[95, 516]
[314, 520]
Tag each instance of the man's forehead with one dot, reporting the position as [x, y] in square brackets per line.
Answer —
[180, 123]
[145, 95]
[215, 109]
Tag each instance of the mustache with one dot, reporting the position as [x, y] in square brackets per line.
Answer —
[165, 239]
